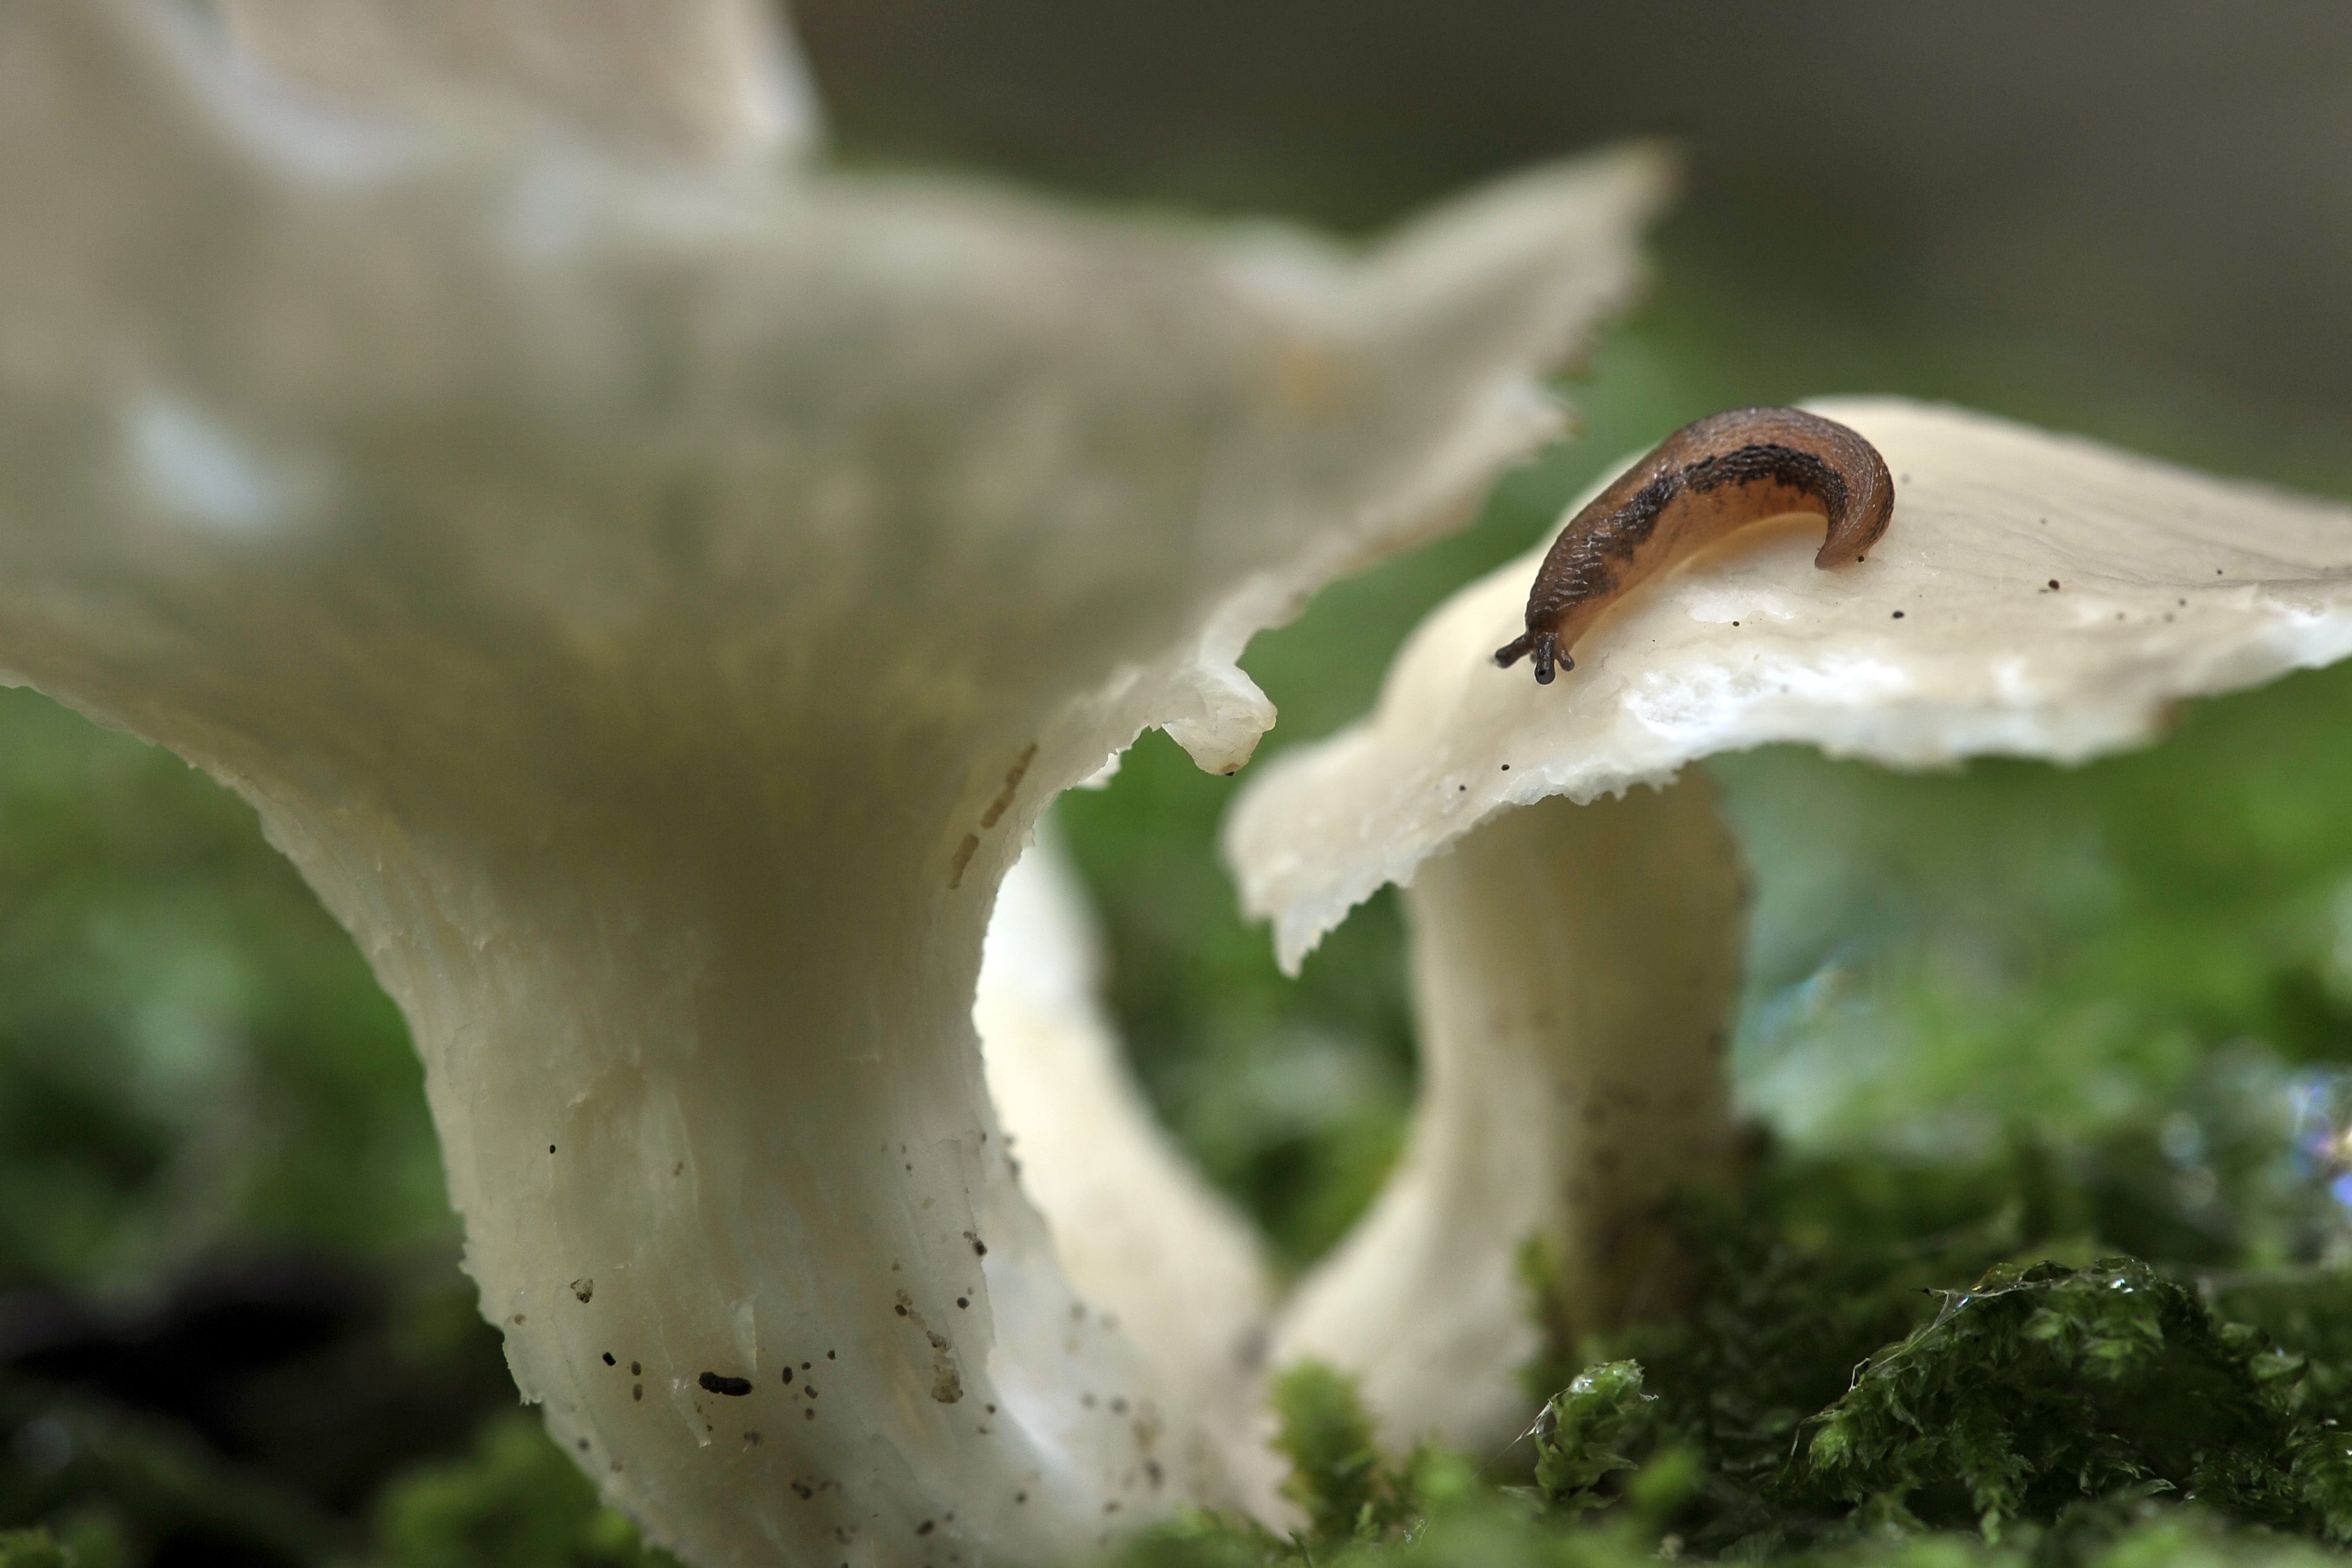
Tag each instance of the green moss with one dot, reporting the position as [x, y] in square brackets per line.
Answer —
[1897, 1363]
[2043, 1388]
[1581, 1429]
[1337, 1477]
[516, 1502]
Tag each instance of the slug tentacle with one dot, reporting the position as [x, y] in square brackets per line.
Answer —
[1706, 480]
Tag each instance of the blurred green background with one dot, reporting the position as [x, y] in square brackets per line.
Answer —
[231, 1324]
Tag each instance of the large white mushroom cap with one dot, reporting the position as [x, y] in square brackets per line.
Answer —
[713, 79]
[1575, 934]
[651, 599]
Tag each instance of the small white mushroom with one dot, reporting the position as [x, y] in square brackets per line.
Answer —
[651, 605]
[1573, 902]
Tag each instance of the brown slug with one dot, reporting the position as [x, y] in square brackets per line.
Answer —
[1705, 480]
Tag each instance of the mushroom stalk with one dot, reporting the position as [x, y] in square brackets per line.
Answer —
[672, 1203]
[1574, 968]
[733, 1190]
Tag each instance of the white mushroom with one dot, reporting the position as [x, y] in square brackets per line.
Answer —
[651, 602]
[2034, 596]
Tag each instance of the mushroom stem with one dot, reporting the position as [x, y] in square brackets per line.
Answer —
[1574, 969]
[709, 1123]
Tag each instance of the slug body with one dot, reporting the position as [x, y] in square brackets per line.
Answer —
[1706, 480]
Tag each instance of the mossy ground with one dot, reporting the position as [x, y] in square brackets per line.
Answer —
[1886, 1362]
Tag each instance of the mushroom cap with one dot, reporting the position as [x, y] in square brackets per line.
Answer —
[2035, 595]
[706, 79]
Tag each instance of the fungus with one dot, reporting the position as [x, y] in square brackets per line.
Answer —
[1575, 922]
[650, 600]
